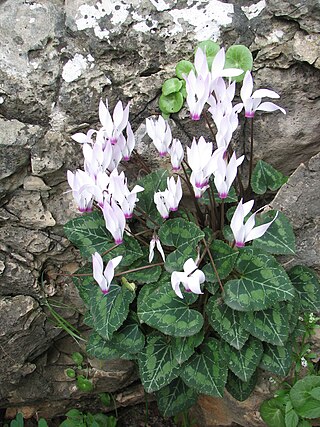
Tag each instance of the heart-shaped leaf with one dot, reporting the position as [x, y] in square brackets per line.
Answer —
[183, 68]
[172, 103]
[183, 347]
[224, 258]
[276, 359]
[163, 310]
[265, 176]
[183, 235]
[269, 325]
[207, 371]
[157, 364]
[175, 398]
[306, 282]
[262, 283]
[243, 363]
[238, 389]
[273, 412]
[239, 56]
[171, 86]
[226, 322]
[279, 239]
[105, 350]
[301, 396]
[111, 310]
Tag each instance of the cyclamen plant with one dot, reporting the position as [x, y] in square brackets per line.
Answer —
[212, 305]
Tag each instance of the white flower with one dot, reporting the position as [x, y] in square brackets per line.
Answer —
[304, 362]
[191, 278]
[113, 127]
[160, 133]
[252, 101]
[244, 232]
[104, 278]
[155, 241]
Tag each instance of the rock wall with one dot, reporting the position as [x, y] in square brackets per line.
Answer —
[57, 59]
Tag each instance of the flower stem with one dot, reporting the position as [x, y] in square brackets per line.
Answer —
[213, 264]
[109, 250]
[222, 216]
[251, 155]
[196, 204]
[209, 124]
[138, 269]
[141, 161]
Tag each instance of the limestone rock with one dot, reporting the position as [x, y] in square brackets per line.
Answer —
[299, 200]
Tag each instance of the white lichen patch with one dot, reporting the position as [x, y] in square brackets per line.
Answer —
[144, 23]
[275, 36]
[254, 10]
[160, 5]
[206, 16]
[74, 68]
[89, 16]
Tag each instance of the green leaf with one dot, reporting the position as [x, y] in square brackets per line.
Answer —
[315, 393]
[239, 56]
[150, 275]
[183, 89]
[244, 362]
[238, 389]
[269, 325]
[279, 239]
[84, 283]
[264, 177]
[304, 423]
[164, 310]
[184, 236]
[276, 359]
[302, 399]
[210, 48]
[291, 417]
[262, 283]
[171, 103]
[183, 348]
[18, 422]
[109, 311]
[77, 358]
[273, 413]
[84, 384]
[42, 423]
[105, 350]
[171, 86]
[226, 322]
[157, 364]
[183, 68]
[153, 182]
[88, 233]
[207, 371]
[129, 337]
[224, 258]
[306, 283]
[175, 398]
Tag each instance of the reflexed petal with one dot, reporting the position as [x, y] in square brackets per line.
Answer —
[261, 93]
[270, 106]
[247, 87]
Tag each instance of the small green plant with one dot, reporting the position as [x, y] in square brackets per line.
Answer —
[82, 382]
[76, 418]
[19, 422]
[298, 400]
[174, 89]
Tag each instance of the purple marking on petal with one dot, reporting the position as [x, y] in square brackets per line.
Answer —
[118, 241]
[128, 216]
[105, 291]
[176, 169]
[223, 195]
[163, 153]
[173, 209]
[187, 290]
[240, 244]
[126, 159]
[195, 116]
[82, 210]
[249, 114]
[113, 140]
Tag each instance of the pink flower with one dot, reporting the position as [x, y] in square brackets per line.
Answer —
[155, 241]
[104, 278]
[176, 153]
[226, 173]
